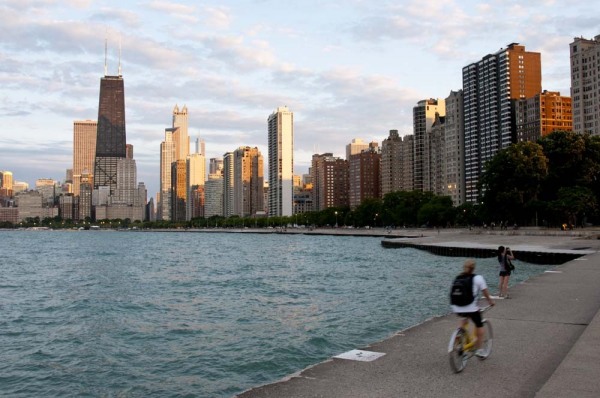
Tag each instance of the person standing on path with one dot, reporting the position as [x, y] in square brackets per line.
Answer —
[504, 254]
[471, 310]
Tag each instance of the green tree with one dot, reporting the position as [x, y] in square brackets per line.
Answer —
[512, 182]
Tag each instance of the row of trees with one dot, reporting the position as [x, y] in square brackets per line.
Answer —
[551, 182]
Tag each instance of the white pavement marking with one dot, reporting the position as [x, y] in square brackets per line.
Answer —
[553, 272]
[359, 355]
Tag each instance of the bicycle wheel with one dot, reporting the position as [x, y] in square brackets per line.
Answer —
[488, 339]
[458, 358]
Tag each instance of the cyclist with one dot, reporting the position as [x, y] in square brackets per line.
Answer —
[471, 311]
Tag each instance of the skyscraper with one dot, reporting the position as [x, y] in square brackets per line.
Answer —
[281, 162]
[364, 175]
[396, 163]
[228, 184]
[585, 91]
[180, 133]
[110, 139]
[455, 148]
[491, 88]
[84, 150]
[330, 181]
[248, 182]
[167, 156]
[356, 146]
[423, 117]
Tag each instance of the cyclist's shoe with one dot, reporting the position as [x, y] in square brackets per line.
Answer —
[480, 353]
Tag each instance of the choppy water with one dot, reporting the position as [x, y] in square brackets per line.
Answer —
[153, 314]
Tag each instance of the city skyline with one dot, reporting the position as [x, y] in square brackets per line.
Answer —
[353, 70]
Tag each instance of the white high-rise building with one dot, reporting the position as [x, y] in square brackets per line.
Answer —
[180, 133]
[585, 90]
[281, 162]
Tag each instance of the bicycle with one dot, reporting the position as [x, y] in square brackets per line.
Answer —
[462, 343]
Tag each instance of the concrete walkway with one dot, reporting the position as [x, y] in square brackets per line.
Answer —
[546, 344]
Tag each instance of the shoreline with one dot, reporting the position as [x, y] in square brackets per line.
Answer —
[415, 362]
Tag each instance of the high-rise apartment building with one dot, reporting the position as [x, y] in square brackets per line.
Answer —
[455, 150]
[111, 139]
[6, 179]
[397, 163]
[364, 177]
[423, 117]
[585, 89]
[281, 162]
[248, 182]
[330, 182]
[356, 146]
[542, 114]
[84, 150]
[491, 88]
[437, 156]
[228, 184]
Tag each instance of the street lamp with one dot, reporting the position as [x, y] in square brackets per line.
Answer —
[336, 224]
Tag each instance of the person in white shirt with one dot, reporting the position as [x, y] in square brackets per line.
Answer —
[471, 311]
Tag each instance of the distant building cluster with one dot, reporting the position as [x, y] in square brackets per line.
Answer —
[501, 102]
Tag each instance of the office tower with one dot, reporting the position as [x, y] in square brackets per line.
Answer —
[330, 181]
[110, 139]
[7, 180]
[215, 166]
[213, 195]
[356, 146]
[86, 187]
[126, 191]
[423, 117]
[67, 207]
[228, 184]
[585, 90]
[180, 133]
[20, 186]
[542, 114]
[69, 176]
[200, 147]
[491, 88]
[248, 182]
[364, 177]
[179, 189]
[281, 161]
[30, 205]
[49, 189]
[195, 173]
[455, 149]
[129, 151]
[437, 156]
[167, 156]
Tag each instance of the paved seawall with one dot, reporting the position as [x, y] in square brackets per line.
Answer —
[546, 339]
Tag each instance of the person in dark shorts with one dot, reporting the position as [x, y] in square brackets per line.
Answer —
[471, 311]
[503, 255]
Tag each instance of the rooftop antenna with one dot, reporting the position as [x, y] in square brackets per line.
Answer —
[120, 56]
[105, 56]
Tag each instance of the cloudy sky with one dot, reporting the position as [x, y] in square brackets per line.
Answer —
[347, 69]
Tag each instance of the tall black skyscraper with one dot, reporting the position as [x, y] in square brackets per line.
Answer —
[110, 142]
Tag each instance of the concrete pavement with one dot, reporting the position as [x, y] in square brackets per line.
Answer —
[546, 343]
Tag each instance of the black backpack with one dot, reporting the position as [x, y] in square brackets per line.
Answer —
[461, 293]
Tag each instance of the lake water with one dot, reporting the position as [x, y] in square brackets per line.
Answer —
[151, 314]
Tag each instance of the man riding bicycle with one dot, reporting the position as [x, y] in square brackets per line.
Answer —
[464, 302]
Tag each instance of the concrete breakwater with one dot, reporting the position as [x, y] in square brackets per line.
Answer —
[460, 249]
